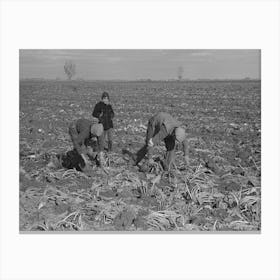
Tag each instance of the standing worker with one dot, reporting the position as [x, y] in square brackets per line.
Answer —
[86, 136]
[163, 127]
[104, 112]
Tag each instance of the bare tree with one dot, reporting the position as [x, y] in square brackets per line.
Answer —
[69, 69]
[180, 72]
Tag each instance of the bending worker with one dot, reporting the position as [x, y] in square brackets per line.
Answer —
[85, 135]
[163, 127]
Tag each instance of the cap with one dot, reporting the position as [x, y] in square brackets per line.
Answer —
[96, 129]
[180, 134]
[105, 95]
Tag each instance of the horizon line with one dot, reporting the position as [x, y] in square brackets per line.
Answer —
[143, 79]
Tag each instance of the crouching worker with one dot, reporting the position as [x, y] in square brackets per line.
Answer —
[86, 135]
[163, 127]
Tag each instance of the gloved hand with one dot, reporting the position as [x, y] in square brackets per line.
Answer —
[87, 169]
[83, 150]
[144, 168]
[91, 152]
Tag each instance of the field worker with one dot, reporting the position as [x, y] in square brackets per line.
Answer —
[86, 136]
[163, 127]
[104, 112]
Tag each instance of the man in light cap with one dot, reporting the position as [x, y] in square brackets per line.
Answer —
[163, 127]
[85, 135]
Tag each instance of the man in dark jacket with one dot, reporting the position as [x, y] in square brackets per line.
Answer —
[104, 112]
[86, 136]
[163, 127]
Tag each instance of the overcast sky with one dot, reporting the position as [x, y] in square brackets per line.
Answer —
[141, 64]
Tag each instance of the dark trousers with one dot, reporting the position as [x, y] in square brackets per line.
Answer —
[158, 135]
[109, 135]
[170, 145]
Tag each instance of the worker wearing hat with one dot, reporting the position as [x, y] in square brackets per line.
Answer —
[85, 135]
[104, 112]
[163, 127]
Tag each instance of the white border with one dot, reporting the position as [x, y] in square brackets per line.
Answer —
[177, 24]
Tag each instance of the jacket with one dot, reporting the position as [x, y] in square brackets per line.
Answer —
[170, 123]
[80, 134]
[166, 119]
[105, 114]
